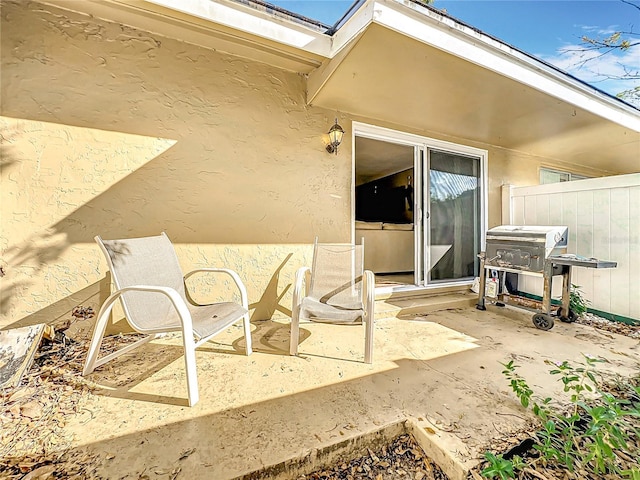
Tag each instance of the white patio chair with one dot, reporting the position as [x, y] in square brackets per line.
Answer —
[337, 290]
[150, 285]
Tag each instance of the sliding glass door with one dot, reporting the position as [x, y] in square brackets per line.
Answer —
[419, 204]
[453, 211]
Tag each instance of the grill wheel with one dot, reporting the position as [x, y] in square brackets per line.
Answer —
[572, 317]
[543, 321]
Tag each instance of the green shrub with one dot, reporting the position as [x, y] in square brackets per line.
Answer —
[593, 433]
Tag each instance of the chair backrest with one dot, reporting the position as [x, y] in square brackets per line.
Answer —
[148, 261]
[336, 274]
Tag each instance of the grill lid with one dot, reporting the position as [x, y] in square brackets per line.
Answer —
[549, 236]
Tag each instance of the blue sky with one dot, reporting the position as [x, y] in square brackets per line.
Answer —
[549, 29]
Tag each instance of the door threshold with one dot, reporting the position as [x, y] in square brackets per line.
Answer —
[386, 292]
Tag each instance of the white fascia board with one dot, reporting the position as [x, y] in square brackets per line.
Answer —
[350, 30]
[468, 44]
[254, 22]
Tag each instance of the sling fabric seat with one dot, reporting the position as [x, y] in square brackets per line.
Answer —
[151, 288]
[336, 289]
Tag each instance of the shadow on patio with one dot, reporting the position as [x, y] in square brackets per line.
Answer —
[440, 370]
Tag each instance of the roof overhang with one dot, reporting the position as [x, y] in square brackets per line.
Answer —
[224, 25]
[409, 65]
[401, 63]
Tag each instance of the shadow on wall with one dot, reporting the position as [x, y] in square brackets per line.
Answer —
[210, 185]
[92, 296]
[35, 253]
[55, 259]
[123, 133]
[269, 303]
[6, 154]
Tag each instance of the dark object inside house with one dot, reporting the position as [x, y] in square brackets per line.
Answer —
[388, 199]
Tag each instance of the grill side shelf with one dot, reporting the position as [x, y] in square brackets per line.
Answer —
[582, 262]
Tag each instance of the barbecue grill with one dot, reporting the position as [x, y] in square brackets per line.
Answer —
[530, 250]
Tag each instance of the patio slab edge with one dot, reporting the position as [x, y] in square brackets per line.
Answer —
[357, 446]
[453, 467]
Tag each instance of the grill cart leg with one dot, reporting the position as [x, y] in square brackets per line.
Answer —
[543, 320]
[565, 313]
[483, 280]
[502, 288]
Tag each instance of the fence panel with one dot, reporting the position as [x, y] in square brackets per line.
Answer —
[603, 216]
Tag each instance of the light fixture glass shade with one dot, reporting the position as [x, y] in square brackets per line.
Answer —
[336, 133]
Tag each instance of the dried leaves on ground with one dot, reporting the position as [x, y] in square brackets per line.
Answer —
[612, 326]
[402, 459]
[32, 414]
[33, 441]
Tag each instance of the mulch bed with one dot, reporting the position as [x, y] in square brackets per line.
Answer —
[32, 415]
[402, 459]
[33, 442]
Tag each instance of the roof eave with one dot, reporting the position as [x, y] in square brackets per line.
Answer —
[438, 30]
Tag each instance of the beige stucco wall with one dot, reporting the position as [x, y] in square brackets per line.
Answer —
[509, 167]
[113, 131]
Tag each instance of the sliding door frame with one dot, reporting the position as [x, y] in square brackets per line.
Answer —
[421, 146]
[428, 242]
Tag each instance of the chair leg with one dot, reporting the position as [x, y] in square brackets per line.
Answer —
[247, 334]
[98, 334]
[190, 366]
[369, 318]
[368, 345]
[295, 331]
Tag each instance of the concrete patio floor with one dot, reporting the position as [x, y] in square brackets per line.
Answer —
[441, 370]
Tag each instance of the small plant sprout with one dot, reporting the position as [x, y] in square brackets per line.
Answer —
[498, 467]
[577, 302]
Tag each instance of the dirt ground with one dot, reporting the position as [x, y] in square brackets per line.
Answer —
[441, 370]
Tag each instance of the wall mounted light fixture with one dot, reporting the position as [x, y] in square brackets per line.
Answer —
[335, 137]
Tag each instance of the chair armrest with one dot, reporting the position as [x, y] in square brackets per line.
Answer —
[303, 277]
[369, 290]
[236, 278]
[175, 298]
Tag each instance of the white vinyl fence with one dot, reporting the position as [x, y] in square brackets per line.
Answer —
[603, 216]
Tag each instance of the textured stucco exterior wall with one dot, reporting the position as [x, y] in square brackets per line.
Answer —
[109, 130]
[509, 167]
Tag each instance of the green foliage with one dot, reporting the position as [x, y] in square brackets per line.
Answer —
[631, 95]
[619, 41]
[577, 302]
[498, 467]
[593, 432]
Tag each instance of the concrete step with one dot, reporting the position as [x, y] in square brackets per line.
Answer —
[397, 307]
